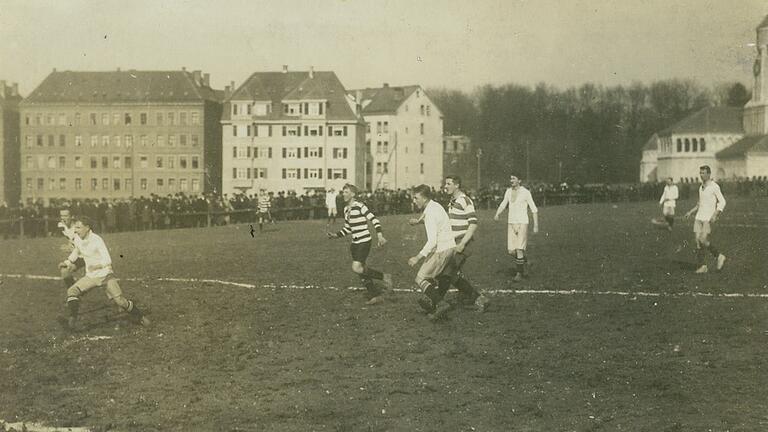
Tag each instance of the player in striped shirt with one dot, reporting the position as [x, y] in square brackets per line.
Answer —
[265, 204]
[356, 218]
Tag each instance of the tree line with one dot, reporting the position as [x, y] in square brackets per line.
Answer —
[586, 134]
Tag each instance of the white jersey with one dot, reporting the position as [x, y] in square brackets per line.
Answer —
[439, 230]
[710, 201]
[94, 251]
[68, 232]
[330, 199]
[670, 195]
[518, 208]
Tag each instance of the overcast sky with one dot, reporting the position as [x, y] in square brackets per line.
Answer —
[446, 43]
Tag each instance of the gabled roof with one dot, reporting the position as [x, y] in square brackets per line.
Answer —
[652, 143]
[120, 86]
[709, 120]
[750, 144]
[277, 87]
[384, 100]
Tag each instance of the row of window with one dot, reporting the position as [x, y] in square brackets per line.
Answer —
[265, 108]
[172, 118]
[287, 130]
[383, 127]
[290, 173]
[383, 168]
[247, 152]
[116, 140]
[455, 146]
[115, 184]
[118, 162]
[382, 147]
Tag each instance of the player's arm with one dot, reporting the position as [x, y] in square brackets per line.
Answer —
[376, 224]
[663, 197]
[416, 221]
[105, 260]
[720, 206]
[503, 205]
[692, 211]
[534, 212]
[346, 229]
[472, 220]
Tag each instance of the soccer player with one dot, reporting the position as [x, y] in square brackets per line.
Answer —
[265, 204]
[438, 251]
[711, 204]
[68, 272]
[356, 218]
[98, 272]
[668, 201]
[519, 200]
[330, 204]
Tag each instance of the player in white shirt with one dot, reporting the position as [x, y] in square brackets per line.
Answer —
[668, 202]
[711, 204]
[98, 272]
[438, 251]
[519, 200]
[330, 204]
[65, 224]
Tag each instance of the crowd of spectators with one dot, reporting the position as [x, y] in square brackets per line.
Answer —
[35, 219]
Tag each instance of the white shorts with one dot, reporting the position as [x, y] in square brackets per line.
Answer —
[332, 211]
[517, 236]
[434, 265]
[668, 209]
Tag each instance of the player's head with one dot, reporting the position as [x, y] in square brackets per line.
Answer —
[452, 184]
[422, 194]
[670, 181]
[349, 191]
[82, 226]
[705, 172]
[65, 216]
[514, 181]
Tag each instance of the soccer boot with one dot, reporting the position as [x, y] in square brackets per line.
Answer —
[720, 262]
[71, 324]
[702, 269]
[144, 321]
[426, 304]
[518, 277]
[481, 303]
[387, 280]
[375, 300]
[441, 311]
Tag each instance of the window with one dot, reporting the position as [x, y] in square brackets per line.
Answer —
[78, 184]
[378, 127]
[289, 153]
[62, 140]
[379, 147]
[159, 162]
[159, 119]
[128, 119]
[386, 127]
[234, 130]
[339, 153]
[378, 167]
[183, 140]
[28, 140]
[39, 140]
[116, 141]
[52, 162]
[94, 162]
[234, 109]
[314, 152]
[30, 163]
[386, 147]
[105, 162]
[421, 148]
[50, 141]
[143, 161]
[94, 184]
[51, 184]
[195, 142]
[313, 173]
[161, 140]
[116, 184]
[695, 144]
[171, 140]
[105, 119]
[428, 110]
[261, 173]
[171, 183]
[143, 140]
[171, 162]
[183, 118]
[679, 145]
[78, 162]
[128, 183]
[241, 173]
[242, 152]
[195, 185]
[105, 184]
[116, 161]
[368, 128]
[143, 184]
[128, 141]
[421, 128]
[40, 184]
[28, 182]
[183, 162]
[128, 162]
[291, 174]
[160, 183]
[105, 141]
[386, 167]
[116, 118]
[421, 168]
[62, 183]
[195, 162]
[264, 152]
[687, 145]
[93, 119]
[337, 173]
[702, 145]
[195, 118]
[62, 162]
[143, 118]
[171, 119]
[183, 184]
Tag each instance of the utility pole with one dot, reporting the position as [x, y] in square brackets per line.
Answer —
[527, 159]
[479, 155]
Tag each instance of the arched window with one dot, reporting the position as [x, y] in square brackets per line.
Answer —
[687, 145]
[679, 145]
[702, 145]
[695, 145]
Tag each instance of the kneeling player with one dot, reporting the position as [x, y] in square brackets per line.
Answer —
[98, 272]
[356, 217]
[66, 223]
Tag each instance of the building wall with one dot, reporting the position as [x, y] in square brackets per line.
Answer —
[460, 158]
[757, 165]
[684, 164]
[9, 150]
[648, 166]
[59, 143]
[415, 145]
[248, 167]
[731, 169]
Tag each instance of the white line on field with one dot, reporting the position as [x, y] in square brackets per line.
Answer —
[405, 290]
[37, 427]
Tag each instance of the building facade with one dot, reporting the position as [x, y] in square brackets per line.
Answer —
[404, 135]
[291, 131]
[10, 183]
[120, 134]
[732, 141]
[460, 158]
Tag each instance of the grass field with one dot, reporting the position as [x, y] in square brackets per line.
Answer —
[278, 357]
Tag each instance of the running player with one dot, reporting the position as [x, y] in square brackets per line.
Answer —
[668, 202]
[68, 272]
[519, 200]
[711, 204]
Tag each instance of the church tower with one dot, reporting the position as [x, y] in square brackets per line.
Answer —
[756, 110]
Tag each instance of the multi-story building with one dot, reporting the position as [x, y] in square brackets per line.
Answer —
[404, 135]
[294, 131]
[460, 159]
[9, 142]
[120, 134]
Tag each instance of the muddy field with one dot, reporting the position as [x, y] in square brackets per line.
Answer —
[298, 351]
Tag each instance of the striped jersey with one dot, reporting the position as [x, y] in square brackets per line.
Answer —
[461, 211]
[356, 217]
[265, 202]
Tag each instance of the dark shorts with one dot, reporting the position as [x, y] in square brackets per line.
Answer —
[456, 263]
[360, 251]
[79, 263]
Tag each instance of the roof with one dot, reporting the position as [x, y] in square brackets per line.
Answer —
[652, 143]
[120, 86]
[709, 120]
[764, 23]
[384, 100]
[757, 143]
[277, 87]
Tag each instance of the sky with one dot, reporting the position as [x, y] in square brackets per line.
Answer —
[436, 43]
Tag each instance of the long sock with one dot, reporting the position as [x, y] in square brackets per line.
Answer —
[670, 220]
[443, 285]
[68, 281]
[73, 304]
[261, 226]
[520, 265]
[465, 288]
[713, 250]
[373, 274]
[370, 287]
[700, 256]
[431, 291]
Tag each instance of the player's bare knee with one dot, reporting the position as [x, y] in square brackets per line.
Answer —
[122, 302]
[358, 267]
[73, 292]
[520, 254]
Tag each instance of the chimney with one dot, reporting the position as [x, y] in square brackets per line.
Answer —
[54, 69]
[207, 80]
[311, 72]
[285, 68]
[183, 68]
[197, 77]
[232, 86]
[15, 89]
[227, 92]
[2, 87]
[386, 85]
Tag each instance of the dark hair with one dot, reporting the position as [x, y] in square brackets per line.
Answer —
[706, 168]
[455, 179]
[352, 188]
[423, 190]
[85, 220]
